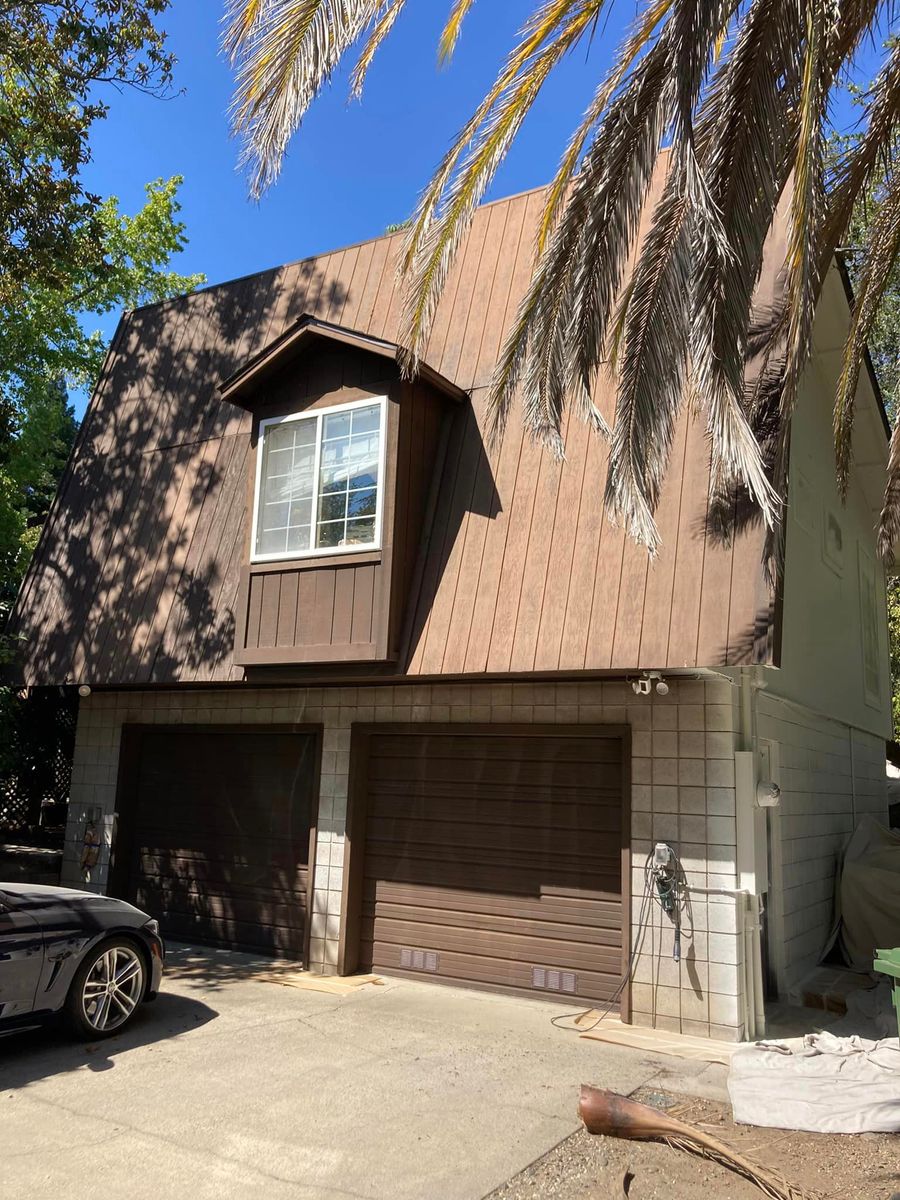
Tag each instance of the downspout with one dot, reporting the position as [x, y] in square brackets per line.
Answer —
[751, 872]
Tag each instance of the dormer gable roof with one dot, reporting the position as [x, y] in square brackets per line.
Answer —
[298, 338]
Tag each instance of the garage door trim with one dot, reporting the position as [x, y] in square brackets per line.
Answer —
[126, 780]
[355, 848]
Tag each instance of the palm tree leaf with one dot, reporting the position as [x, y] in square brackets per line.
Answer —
[882, 249]
[445, 211]
[450, 35]
[379, 32]
[290, 53]
[625, 60]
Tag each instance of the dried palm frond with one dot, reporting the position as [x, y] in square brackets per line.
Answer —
[607, 1113]
[285, 51]
[738, 91]
[379, 32]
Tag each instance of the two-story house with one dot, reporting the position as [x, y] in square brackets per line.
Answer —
[362, 690]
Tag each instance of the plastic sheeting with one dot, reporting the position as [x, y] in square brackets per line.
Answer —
[869, 894]
[822, 1083]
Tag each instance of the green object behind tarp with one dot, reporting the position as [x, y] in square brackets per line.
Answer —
[887, 962]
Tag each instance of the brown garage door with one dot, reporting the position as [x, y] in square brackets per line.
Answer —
[216, 833]
[492, 856]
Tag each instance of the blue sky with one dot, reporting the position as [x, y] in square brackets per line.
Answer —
[353, 168]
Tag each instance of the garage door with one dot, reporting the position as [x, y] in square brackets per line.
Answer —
[492, 856]
[216, 833]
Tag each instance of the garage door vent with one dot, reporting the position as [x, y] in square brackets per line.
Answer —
[418, 960]
[551, 980]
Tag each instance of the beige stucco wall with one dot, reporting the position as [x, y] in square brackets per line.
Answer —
[683, 792]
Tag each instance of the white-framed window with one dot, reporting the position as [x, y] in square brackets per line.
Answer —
[320, 482]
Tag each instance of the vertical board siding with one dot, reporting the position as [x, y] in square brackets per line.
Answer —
[137, 575]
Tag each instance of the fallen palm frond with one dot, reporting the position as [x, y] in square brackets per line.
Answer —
[608, 1113]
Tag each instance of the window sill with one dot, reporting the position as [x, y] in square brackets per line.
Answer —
[316, 562]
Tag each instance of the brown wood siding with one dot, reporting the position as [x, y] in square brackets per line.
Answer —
[215, 833]
[498, 852]
[348, 608]
[523, 571]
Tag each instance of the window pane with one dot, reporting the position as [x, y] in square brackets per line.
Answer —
[362, 504]
[298, 538]
[361, 532]
[367, 420]
[337, 425]
[271, 541]
[286, 492]
[333, 507]
[331, 533]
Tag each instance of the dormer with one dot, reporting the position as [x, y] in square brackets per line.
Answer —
[344, 455]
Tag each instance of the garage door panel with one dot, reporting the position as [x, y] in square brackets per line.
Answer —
[512, 839]
[236, 935]
[493, 858]
[225, 905]
[493, 973]
[499, 943]
[384, 792]
[478, 868]
[394, 922]
[219, 833]
[585, 911]
[525, 774]
[486, 809]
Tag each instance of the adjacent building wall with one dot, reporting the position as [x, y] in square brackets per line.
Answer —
[827, 710]
[830, 774]
[683, 793]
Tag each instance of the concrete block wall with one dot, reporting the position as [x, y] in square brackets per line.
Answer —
[830, 775]
[682, 792]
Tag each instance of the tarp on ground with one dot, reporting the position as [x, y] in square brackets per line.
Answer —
[822, 1083]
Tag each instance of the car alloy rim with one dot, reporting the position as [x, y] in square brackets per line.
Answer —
[113, 988]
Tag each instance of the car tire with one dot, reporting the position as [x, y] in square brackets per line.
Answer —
[107, 990]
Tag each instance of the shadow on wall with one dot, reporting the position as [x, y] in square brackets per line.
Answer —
[136, 574]
[214, 833]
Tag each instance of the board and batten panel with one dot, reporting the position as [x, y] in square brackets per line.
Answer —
[523, 570]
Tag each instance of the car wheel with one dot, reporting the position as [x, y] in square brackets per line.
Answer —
[107, 989]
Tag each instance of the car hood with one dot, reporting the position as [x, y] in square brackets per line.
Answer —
[39, 896]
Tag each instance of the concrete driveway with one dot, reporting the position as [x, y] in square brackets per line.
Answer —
[230, 1086]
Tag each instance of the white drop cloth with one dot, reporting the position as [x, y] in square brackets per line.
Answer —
[821, 1082]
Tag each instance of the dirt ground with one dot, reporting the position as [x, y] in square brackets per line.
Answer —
[585, 1167]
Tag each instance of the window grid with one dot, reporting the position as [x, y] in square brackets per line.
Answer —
[346, 517]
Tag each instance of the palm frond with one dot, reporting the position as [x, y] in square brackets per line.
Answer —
[451, 32]
[591, 242]
[445, 211]
[285, 59]
[881, 253]
[378, 33]
[240, 20]
[625, 60]
[653, 370]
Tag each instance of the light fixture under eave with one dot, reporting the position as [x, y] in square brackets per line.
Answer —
[84, 691]
[662, 688]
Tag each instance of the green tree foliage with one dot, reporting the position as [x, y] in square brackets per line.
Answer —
[57, 63]
[45, 346]
[67, 255]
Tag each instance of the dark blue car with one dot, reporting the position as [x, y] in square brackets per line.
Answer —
[91, 958]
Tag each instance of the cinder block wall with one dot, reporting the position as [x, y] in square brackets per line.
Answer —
[683, 793]
[830, 775]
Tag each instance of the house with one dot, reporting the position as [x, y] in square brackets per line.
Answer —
[360, 689]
